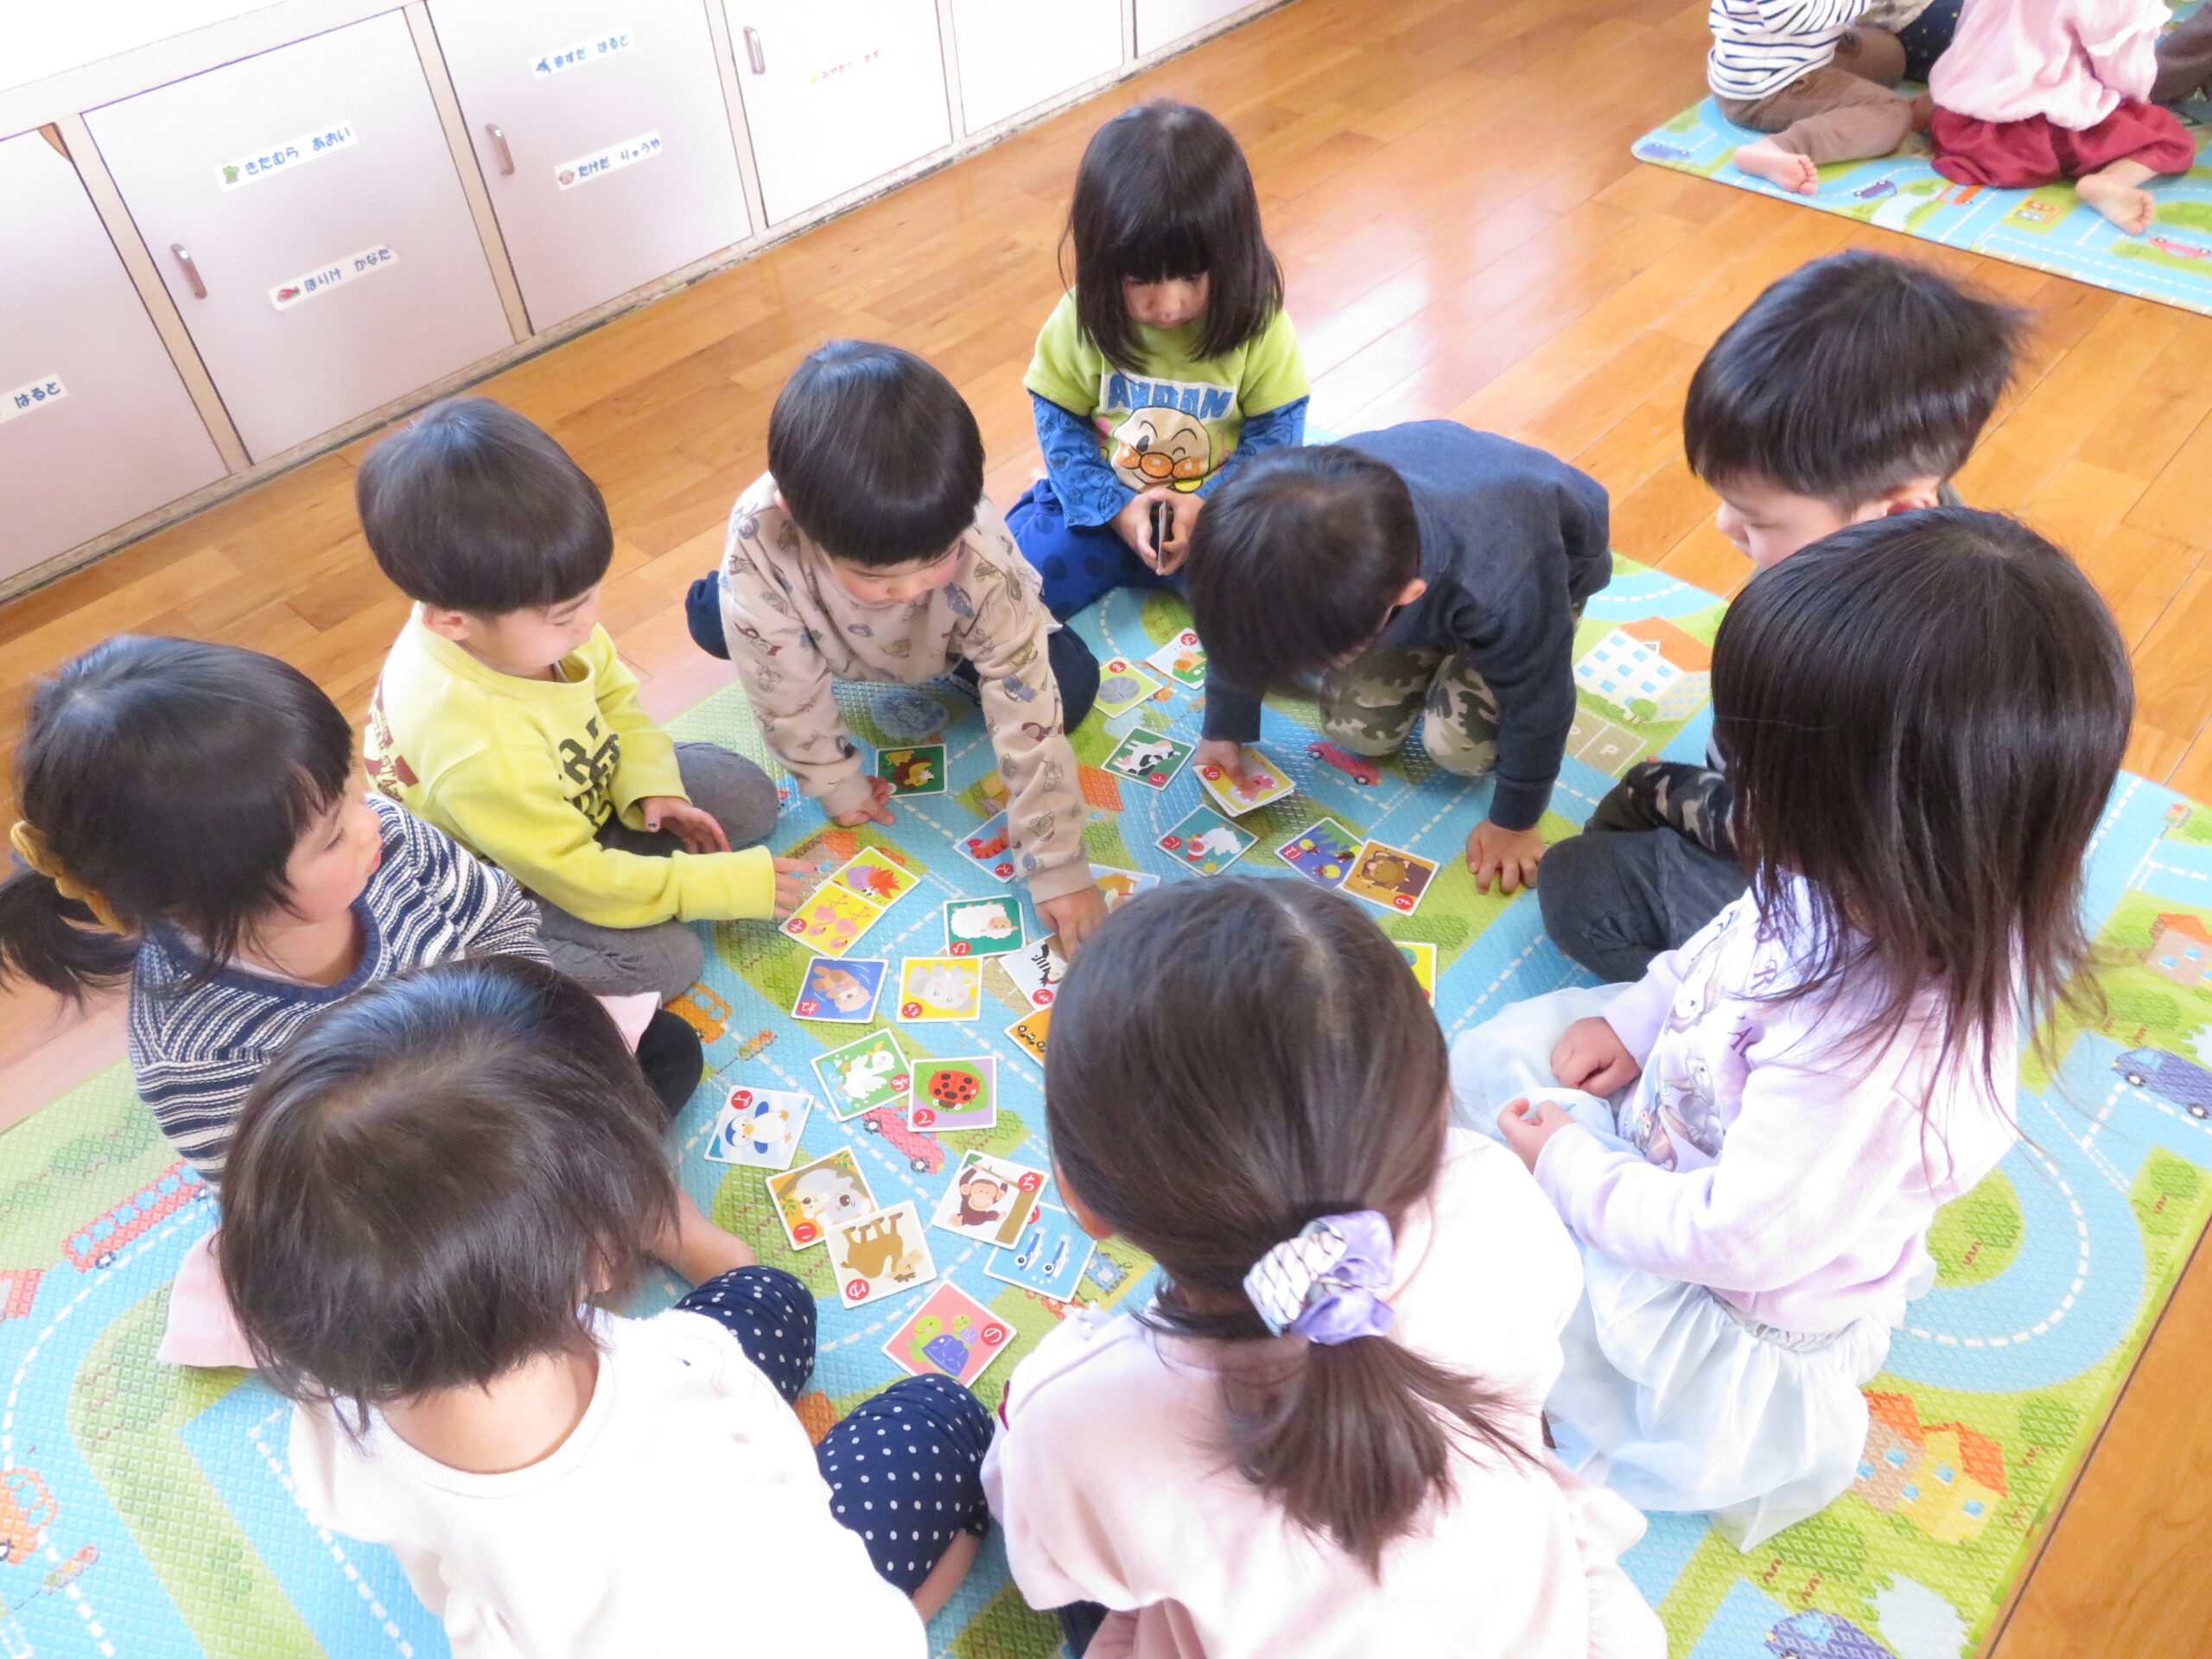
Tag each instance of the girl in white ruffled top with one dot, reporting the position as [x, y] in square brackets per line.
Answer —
[1923, 716]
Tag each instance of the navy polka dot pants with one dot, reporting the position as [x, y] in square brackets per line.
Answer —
[905, 1470]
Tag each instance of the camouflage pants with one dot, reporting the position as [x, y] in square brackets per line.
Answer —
[1693, 801]
[1371, 704]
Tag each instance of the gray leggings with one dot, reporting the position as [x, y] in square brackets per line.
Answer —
[665, 957]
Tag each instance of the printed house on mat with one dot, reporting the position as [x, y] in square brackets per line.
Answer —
[2178, 949]
[1946, 1478]
[1651, 670]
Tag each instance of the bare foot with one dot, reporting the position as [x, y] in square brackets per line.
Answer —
[2124, 204]
[1786, 167]
[700, 1250]
[944, 1578]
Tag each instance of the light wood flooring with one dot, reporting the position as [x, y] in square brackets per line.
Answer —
[1449, 186]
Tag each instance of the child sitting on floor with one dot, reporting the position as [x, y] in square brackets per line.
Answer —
[504, 716]
[2036, 91]
[1808, 74]
[1923, 716]
[1322, 1436]
[1172, 355]
[868, 551]
[1426, 574]
[1851, 389]
[430, 1186]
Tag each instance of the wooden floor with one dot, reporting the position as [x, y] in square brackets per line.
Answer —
[1448, 185]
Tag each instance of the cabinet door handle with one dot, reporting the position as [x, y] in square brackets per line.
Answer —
[191, 270]
[752, 51]
[499, 141]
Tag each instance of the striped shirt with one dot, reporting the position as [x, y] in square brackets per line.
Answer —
[1761, 46]
[196, 1049]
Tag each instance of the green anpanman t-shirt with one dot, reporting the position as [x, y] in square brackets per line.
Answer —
[1176, 423]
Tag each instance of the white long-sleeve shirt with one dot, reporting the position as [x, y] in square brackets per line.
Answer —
[2070, 61]
[1785, 1166]
[1761, 46]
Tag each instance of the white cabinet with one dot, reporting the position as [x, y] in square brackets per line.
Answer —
[837, 92]
[1015, 55]
[1162, 23]
[95, 426]
[304, 211]
[603, 137]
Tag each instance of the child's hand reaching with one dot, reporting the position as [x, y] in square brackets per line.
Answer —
[876, 812]
[794, 879]
[1527, 1129]
[1510, 857]
[1073, 916]
[1590, 1056]
[1220, 752]
[697, 829]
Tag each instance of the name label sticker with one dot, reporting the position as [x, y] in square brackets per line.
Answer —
[546, 65]
[47, 388]
[282, 158]
[321, 279]
[598, 164]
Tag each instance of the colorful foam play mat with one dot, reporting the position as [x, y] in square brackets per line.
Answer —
[144, 1509]
[2047, 229]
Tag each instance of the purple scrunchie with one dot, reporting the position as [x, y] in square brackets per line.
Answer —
[1323, 1285]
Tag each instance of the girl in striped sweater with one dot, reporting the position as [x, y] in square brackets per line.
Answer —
[1812, 76]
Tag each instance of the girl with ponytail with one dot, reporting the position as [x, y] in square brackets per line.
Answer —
[1323, 1436]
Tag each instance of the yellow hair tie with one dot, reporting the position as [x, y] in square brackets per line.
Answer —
[30, 847]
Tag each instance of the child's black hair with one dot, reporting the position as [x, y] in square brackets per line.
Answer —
[877, 454]
[432, 1177]
[471, 507]
[1849, 376]
[1297, 560]
[172, 780]
[1319, 1087]
[1922, 715]
[1163, 193]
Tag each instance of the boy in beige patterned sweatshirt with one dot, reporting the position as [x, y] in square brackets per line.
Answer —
[867, 551]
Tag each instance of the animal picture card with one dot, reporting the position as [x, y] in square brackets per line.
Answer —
[990, 1199]
[990, 849]
[951, 1334]
[918, 771]
[950, 1095]
[864, 1075]
[814, 1197]
[1264, 781]
[1149, 758]
[1049, 1258]
[1207, 842]
[876, 876]
[1123, 686]
[982, 927]
[1389, 876]
[1029, 1031]
[1321, 852]
[831, 919]
[1421, 957]
[1121, 886]
[940, 987]
[1037, 970]
[1182, 659]
[841, 990]
[879, 1255]
[759, 1128]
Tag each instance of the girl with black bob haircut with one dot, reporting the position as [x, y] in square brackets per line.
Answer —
[430, 1186]
[1171, 355]
[1324, 1436]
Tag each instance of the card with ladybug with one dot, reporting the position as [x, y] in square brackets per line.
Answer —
[954, 1095]
[991, 1199]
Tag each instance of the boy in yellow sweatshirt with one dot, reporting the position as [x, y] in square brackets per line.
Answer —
[504, 716]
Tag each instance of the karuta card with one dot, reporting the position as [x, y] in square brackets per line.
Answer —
[840, 989]
[951, 1334]
[1389, 876]
[950, 1095]
[1122, 686]
[879, 1255]
[814, 1197]
[1421, 957]
[831, 919]
[1036, 970]
[991, 1199]
[1029, 1031]
[1149, 758]
[1321, 852]
[1182, 659]
[876, 876]
[940, 987]
[864, 1075]
[990, 849]
[1264, 781]
[982, 927]
[759, 1128]
[1121, 886]
[1049, 1258]
[918, 771]
[1207, 842]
